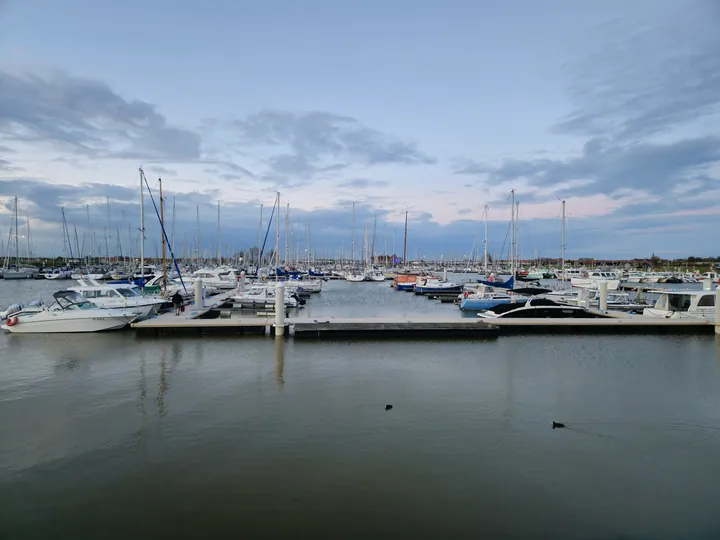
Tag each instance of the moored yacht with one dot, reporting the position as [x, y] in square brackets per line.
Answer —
[683, 305]
[70, 313]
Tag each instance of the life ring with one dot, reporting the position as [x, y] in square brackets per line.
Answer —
[12, 321]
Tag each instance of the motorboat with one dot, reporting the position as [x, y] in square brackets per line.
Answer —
[220, 278]
[20, 273]
[307, 285]
[69, 313]
[375, 275]
[593, 279]
[58, 274]
[486, 297]
[261, 296]
[539, 308]
[404, 282]
[679, 304]
[355, 277]
[429, 285]
[120, 296]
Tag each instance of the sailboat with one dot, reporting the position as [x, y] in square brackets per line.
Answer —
[17, 272]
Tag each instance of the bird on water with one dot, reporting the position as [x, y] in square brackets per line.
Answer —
[558, 425]
[388, 407]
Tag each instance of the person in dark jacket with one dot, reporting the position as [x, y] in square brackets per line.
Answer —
[177, 302]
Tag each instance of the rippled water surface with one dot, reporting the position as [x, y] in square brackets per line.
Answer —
[114, 436]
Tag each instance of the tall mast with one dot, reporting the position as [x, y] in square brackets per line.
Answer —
[287, 233]
[162, 235]
[512, 233]
[89, 252]
[308, 244]
[142, 228]
[485, 253]
[259, 237]
[517, 234]
[172, 232]
[405, 242]
[198, 254]
[219, 246]
[17, 244]
[562, 243]
[277, 236]
[385, 235]
[352, 236]
[372, 249]
[108, 234]
[29, 250]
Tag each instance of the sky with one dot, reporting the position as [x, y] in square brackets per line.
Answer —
[434, 108]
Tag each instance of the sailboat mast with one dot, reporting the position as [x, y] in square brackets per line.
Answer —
[405, 242]
[259, 237]
[17, 245]
[385, 235]
[485, 253]
[172, 232]
[142, 228]
[562, 243]
[277, 236]
[107, 232]
[219, 245]
[352, 236]
[162, 234]
[287, 233]
[198, 253]
[372, 249]
[512, 233]
[517, 235]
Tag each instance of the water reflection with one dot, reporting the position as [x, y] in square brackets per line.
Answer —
[279, 361]
[162, 383]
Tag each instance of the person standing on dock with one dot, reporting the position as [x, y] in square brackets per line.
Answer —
[177, 302]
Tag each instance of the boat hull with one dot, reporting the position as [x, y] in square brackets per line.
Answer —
[482, 304]
[438, 290]
[67, 326]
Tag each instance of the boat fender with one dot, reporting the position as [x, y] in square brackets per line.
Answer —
[12, 321]
[465, 294]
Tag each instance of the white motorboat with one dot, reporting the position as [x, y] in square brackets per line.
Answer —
[70, 313]
[307, 285]
[680, 304]
[58, 274]
[220, 278]
[593, 280]
[375, 275]
[120, 296]
[261, 296]
[355, 277]
[20, 273]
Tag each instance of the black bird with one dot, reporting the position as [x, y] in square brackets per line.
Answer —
[388, 407]
[558, 425]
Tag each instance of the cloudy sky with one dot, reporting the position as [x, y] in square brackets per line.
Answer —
[437, 108]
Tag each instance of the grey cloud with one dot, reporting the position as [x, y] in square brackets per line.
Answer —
[363, 183]
[655, 167]
[316, 142]
[6, 150]
[649, 77]
[161, 171]
[89, 118]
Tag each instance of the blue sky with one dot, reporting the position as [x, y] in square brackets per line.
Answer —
[435, 107]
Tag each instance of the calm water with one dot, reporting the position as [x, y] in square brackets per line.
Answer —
[112, 436]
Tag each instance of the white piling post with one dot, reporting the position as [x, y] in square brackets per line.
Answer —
[444, 274]
[199, 304]
[707, 284]
[241, 281]
[279, 309]
[717, 310]
[603, 286]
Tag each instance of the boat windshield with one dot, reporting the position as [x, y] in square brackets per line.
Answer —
[127, 292]
[679, 302]
[73, 300]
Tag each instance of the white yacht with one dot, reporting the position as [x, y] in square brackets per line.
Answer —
[70, 313]
[594, 278]
[220, 278]
[355, 277]
[307, 285]
[20, 273]
[121, 296]
[683, 305]
[261, 296]
[58, 274]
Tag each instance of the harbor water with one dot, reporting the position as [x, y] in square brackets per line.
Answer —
[117, 436]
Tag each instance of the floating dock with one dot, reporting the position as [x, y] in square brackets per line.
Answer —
[213, 320]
